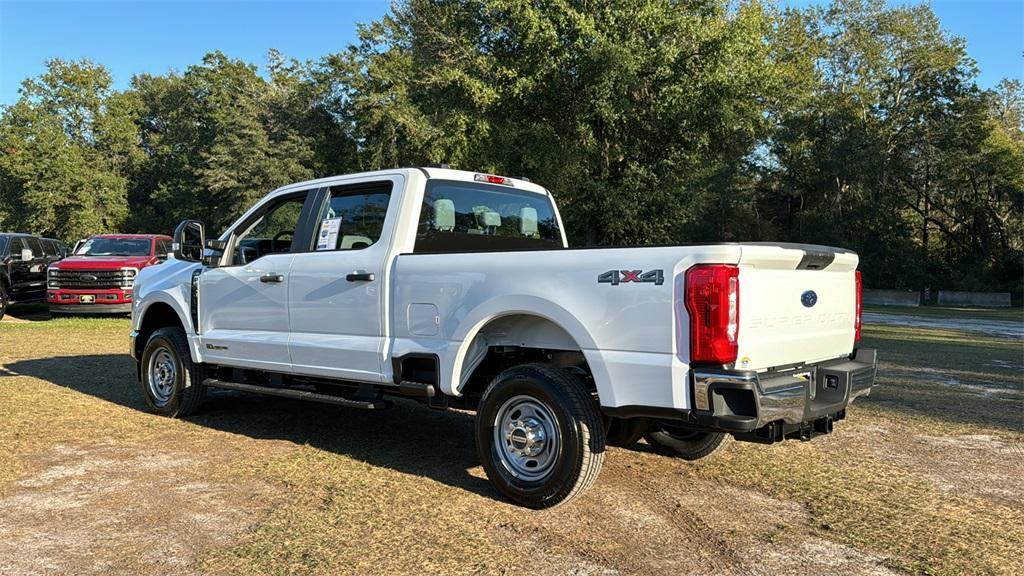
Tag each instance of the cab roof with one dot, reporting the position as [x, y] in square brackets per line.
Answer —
[430, 172]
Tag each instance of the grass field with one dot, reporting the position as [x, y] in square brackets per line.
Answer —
[925, 476]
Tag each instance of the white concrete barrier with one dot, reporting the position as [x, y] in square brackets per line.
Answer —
[892, 297]
[979, 299]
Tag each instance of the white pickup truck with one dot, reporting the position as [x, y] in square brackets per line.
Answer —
[459, 290]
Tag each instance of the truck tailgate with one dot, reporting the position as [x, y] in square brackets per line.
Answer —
[797, 305]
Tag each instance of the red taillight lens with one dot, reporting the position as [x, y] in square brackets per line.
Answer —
[857, 317]
[713, 301]
[492, 179]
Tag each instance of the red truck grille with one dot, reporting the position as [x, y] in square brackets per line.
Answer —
[90, 279]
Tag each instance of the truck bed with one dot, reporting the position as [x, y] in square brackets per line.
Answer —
[634, 330]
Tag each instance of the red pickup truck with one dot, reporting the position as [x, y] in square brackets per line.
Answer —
[98, 278]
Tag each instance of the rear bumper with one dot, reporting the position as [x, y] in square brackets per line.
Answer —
[799, 402]
[770, 406]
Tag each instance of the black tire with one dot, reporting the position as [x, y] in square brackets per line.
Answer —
[182, 390]
[681, 443]
[572, 455]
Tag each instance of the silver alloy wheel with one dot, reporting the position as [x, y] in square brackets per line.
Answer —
[162, 373]
[526, 438]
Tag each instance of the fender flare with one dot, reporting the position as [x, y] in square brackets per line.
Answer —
[161, 297]
[520, 305]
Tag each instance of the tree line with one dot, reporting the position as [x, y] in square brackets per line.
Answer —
[652, 121]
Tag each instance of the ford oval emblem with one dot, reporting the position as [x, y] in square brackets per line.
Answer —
[89, 278]
[809, 298]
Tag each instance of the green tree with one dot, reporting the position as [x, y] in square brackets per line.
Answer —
[220, 136]
[69, 144]
[636, 114]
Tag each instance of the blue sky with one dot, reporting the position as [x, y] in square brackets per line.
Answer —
[156, 36]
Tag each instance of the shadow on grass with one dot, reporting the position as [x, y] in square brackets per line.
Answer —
[409, 438]
[34, 312]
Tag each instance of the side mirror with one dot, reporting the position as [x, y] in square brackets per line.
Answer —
[189, 241]
[26, 255]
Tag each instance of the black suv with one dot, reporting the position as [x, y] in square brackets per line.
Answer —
[23, 262]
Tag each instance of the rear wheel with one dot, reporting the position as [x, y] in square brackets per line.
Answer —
[681, 443]
[171, 382]
[539, 435]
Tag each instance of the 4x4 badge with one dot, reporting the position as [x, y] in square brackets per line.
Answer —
[616, 277]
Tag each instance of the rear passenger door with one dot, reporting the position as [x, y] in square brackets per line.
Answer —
[337, 288]
[21, 276]
[35, 286]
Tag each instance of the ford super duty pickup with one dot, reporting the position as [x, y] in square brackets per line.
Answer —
[459, 290]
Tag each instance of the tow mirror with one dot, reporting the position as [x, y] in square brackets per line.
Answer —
[189, 241]
[26, 255]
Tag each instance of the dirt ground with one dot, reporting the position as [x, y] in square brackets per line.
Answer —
[925, 476]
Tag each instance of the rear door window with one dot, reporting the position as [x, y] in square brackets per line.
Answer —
[468, 217]
[353, 217]
[34, 245]
[50, 247]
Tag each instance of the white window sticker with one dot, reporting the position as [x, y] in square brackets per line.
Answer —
[328, 238]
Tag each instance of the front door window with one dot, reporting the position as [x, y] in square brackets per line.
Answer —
[271, 233]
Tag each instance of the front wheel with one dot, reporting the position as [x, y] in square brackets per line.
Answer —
[682, 443]
[539, 435]
[171, 382]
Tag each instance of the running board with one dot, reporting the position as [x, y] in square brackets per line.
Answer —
[298, 395]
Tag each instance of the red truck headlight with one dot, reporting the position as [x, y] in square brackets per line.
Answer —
[712, 299]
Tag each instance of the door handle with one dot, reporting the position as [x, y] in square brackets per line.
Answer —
[360, 276]
[272, 278]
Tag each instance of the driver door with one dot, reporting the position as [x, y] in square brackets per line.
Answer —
[243, 303]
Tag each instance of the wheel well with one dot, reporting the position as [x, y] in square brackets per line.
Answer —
[157, 316]
[522, 339]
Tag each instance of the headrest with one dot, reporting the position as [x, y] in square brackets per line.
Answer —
[444, 215]
[354, 242]
[528, 221]
[490, 218]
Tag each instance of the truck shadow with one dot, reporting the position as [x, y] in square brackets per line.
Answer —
[408, 438]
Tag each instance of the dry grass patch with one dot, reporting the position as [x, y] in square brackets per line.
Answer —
[925, 476]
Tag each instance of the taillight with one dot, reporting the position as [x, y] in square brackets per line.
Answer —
[713, 301]
[859, 307]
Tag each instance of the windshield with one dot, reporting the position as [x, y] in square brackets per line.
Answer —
[115, 247]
